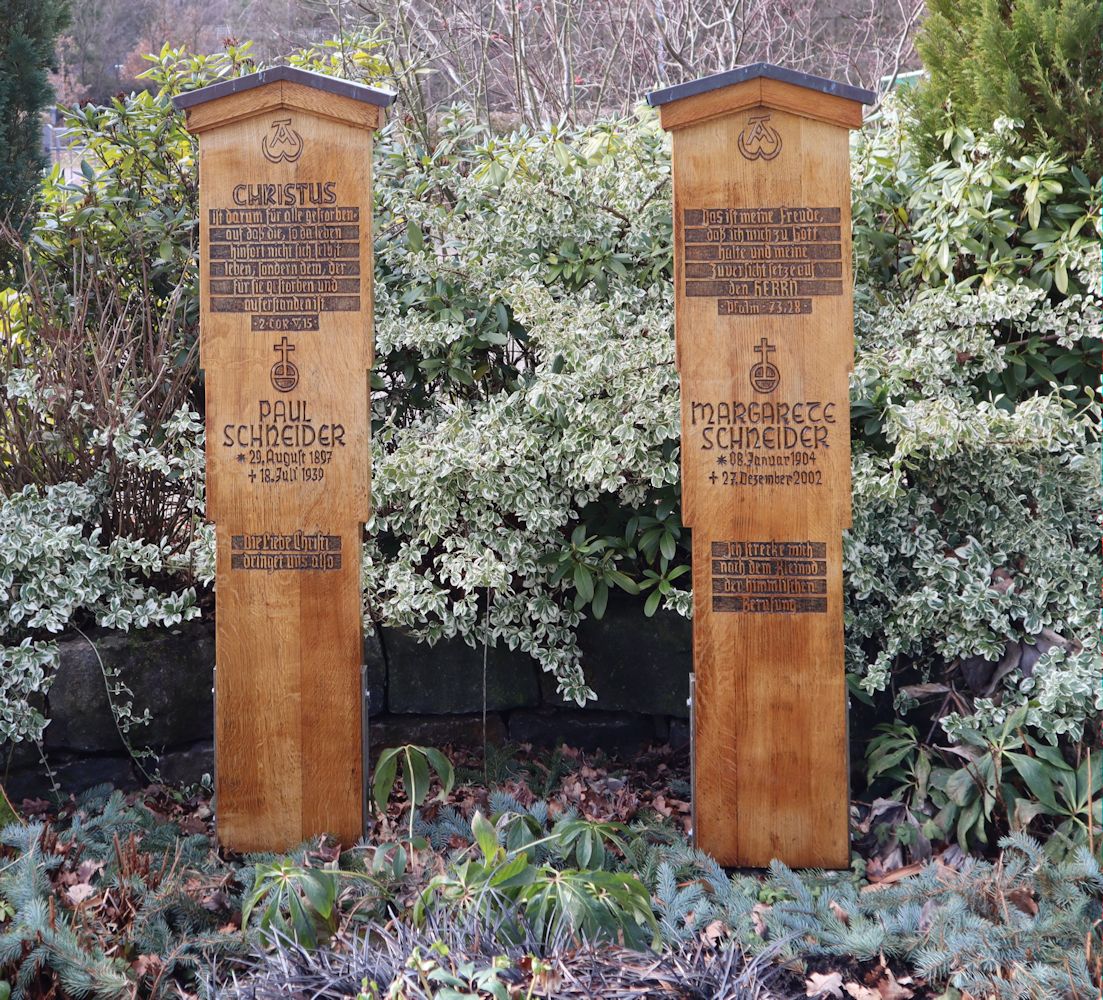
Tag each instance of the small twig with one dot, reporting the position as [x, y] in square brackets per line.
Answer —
[115, 715]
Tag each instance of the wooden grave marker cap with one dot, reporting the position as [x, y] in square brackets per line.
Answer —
[285, 213]
[287, 87]
[760, 85]
[764, 330]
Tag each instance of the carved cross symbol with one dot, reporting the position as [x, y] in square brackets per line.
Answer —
[285, 347]
[764, 375]
[285, 376]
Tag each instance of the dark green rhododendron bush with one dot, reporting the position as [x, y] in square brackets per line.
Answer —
[525, 410]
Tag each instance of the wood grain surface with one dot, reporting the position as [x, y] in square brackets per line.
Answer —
[286, 348]
[764, 322]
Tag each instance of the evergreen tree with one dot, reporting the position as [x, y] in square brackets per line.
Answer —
[1040, 61]
[30, 30]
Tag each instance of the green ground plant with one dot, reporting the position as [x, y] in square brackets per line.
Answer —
[112, 900]
[87, 900]
[418, 766]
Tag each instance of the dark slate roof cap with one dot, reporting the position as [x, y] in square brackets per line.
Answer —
[752, 72]
[291, 74]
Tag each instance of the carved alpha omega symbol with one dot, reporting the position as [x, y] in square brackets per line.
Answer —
[758, 139]
[282, 143]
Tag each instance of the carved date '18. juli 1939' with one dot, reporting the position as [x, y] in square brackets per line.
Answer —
[763, 261]
[769, 577]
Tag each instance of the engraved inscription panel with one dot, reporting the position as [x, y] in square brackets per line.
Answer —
[287, 253]
[283, 253]
[299, 550]
[763, 261]
[769, 577]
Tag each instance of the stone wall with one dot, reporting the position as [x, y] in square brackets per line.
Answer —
[432, 695]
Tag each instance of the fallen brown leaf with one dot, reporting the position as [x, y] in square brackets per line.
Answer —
[821, 984]
[714, 933]
[757, 912]
[1023, 899]
[146, 965]
[891, 989]
[896, 875]
[79, 893]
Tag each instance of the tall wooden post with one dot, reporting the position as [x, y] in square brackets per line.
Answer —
[286, 347]
[764, 326]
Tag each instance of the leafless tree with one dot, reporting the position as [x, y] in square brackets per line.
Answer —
[540, 61]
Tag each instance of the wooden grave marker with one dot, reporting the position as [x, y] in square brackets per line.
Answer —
[285, 205]
[765, 343]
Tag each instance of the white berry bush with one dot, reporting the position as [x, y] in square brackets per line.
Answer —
[525, 291]
[524, 295]
[977, 458]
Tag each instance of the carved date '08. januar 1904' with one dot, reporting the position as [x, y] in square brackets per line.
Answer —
[763, 261]
[769, 577]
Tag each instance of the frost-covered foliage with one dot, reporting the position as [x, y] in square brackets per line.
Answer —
[477, 492]
[55, 572]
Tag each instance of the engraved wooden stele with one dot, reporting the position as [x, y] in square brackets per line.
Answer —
[764, 328]
[286, 346]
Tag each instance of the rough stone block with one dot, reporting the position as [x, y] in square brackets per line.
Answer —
[447, 677]
[376, 663]
[634, 663]
[170, 672]
[74, 774]
[434, 731]
[187, 766]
